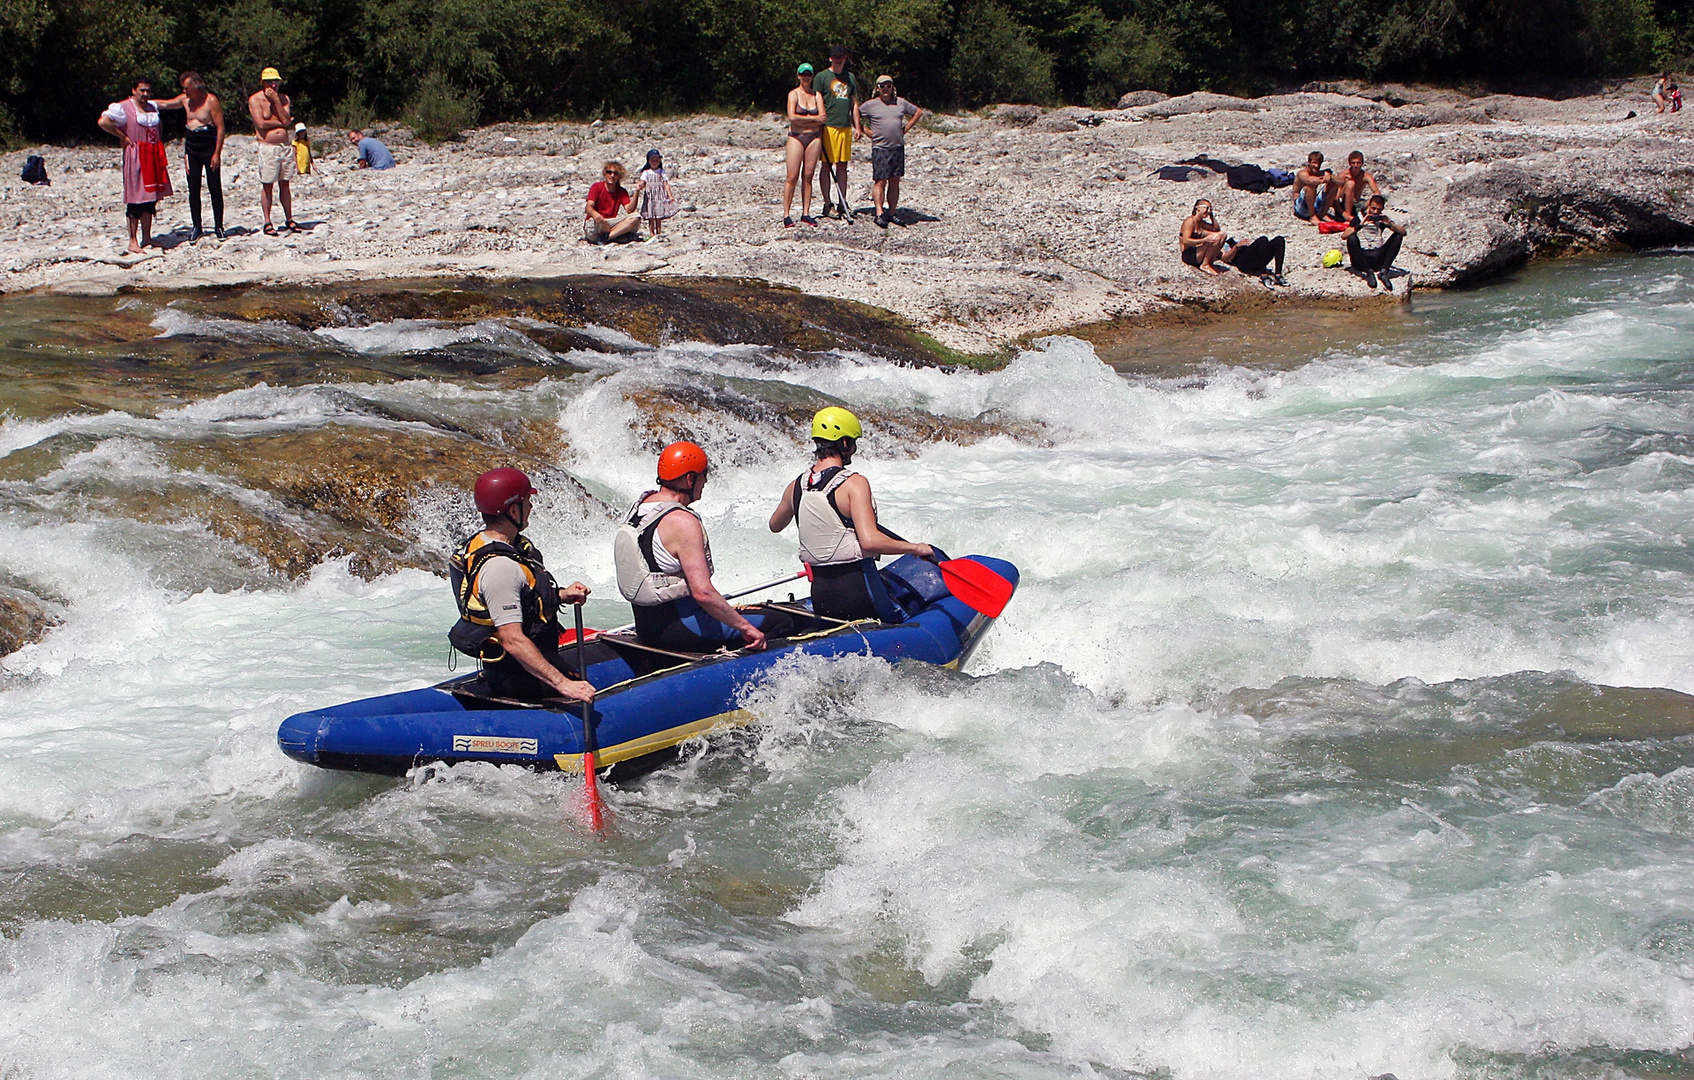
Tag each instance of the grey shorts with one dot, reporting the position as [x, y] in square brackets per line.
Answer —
[888, 162]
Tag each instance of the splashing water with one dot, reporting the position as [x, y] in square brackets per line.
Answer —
[1303, 750]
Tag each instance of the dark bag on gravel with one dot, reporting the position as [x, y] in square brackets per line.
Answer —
[35, 170]
[1249, 178]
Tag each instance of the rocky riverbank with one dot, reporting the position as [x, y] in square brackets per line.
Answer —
[1014, 223]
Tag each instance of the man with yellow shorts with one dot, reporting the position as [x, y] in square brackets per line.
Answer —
[841, 119]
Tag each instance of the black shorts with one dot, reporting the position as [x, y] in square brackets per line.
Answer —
[1191, 256]
[888, 162]
[139, 209]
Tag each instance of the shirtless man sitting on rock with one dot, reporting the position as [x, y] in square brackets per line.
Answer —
[1315, 189]
[1354, 183]
[273, 119]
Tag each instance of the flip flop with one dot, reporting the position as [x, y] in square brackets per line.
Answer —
[270, 230]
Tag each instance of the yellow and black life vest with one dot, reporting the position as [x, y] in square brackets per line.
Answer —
[473, 634]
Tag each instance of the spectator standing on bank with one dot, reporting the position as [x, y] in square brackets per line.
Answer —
[840, 92]
[302, 150]
[888, 118]
[273, 117]
[147, 178]
[653, 195]
[202, 147]
[373, 154]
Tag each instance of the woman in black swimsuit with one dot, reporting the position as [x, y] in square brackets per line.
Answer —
[805, 144]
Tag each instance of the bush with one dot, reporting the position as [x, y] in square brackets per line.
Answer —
[994, 59]
[354, 113]
[441, 110]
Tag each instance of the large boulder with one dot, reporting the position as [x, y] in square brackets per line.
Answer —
[1137, 98]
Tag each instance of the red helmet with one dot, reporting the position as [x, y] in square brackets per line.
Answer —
[499, 488]
[679, 459]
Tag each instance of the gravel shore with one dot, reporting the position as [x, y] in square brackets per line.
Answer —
[1014, 223]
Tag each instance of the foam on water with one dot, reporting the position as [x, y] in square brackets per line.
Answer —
[1250, 779]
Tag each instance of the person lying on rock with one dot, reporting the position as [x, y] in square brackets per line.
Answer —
[664, 565]
[508, 602]
[1201, 240]
[1373, 242]
[1354, 182]
[1315, 189]
[839, 536]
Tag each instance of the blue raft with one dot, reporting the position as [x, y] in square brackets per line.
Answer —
[647, 703]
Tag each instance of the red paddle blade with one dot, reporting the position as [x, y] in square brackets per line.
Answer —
[568, 636]
[591, 794]
[976, 586]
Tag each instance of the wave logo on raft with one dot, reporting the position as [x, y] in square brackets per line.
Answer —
[492, 744]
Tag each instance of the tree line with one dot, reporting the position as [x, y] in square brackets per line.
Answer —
[448, 63]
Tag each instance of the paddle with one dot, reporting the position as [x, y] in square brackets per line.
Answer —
[590, 785]
[803, 572]
[976, 586]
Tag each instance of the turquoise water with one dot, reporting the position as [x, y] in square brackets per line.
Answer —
[1300, 752]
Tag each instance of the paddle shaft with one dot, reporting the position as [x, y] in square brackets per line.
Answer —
[771, 584]
[590, 785]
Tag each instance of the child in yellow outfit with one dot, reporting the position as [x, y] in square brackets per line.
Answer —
[302, 150]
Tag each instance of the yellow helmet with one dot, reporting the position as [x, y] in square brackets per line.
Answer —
[1332, 258]
[835, 423]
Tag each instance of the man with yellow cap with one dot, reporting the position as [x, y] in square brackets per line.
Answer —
[839, 536]
[273, 118]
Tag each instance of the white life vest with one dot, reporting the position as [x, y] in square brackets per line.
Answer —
[649, 575]
[826, 535]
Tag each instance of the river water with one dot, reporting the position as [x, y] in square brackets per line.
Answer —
[1306, 748]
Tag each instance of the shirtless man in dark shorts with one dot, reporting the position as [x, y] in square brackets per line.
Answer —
[1315, 190]
[273, 119]
[202, 146]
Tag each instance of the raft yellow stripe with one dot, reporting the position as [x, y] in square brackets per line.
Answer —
[659, 740]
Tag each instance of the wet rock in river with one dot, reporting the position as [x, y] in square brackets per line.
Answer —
[24, 619]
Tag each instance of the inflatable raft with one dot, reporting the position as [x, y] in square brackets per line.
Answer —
[647, 702]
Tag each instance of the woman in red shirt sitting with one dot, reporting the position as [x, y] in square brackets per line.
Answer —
[607, 199]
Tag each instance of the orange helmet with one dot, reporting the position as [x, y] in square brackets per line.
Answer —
[679, 459]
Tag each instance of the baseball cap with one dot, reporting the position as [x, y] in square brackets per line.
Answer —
[651, 154]
[804, 69]
[838, 51]
[270, 75]
[889, 79]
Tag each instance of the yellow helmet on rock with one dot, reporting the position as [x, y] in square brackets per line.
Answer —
[835, 423]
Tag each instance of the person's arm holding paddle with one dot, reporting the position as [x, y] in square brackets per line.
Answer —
[520, 648]
[854, 498]
[686, 540]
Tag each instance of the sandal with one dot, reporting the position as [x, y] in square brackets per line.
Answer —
[291, 227]
[270, 230]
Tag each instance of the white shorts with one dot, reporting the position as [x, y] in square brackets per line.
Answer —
[275, 162]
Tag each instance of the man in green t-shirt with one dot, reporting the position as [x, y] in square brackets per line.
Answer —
[841, 119]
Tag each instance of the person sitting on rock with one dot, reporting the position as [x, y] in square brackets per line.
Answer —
[839, 536]
[609, 212]
[1315, 189]
[508, 602]
[664, 565]
[1354, 182]
[1373, 241]
[1201, 240]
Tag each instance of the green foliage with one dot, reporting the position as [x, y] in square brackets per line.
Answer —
[996, 59]
[441, 110]
[446, 64]
[354, 113]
